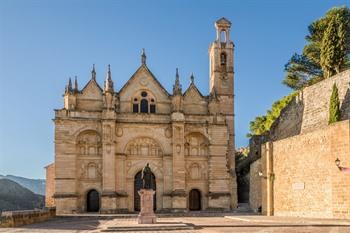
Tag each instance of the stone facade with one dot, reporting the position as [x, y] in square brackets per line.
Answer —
[103, 139]
[298, 161]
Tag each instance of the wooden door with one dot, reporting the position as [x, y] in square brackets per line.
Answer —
[195, 200]
[93, 201]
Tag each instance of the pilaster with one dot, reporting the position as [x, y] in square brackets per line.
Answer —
[109, 195]
[178, 194]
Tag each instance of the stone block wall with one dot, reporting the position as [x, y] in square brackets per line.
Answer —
[50, 185]
[309, 110]
[255, 185]
[306, 181]
[24, 217]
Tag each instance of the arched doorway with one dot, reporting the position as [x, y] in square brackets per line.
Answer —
[195, 200]
[138, 186]
[92, 201]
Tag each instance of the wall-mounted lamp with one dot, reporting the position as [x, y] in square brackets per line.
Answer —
[270, 176]
[342, 169]
[337, 163]
[262, 176]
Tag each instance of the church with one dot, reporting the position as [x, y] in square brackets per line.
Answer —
[104, 137]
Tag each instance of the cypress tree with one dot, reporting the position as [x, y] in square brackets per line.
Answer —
[334, 111]
[332, 55]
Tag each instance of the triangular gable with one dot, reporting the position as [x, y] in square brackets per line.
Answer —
[192, 93]
[135, 75]
[92, 90]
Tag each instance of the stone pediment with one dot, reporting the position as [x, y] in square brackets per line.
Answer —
[192, 94]
[143, 76]
[143, 79]
[91, 90]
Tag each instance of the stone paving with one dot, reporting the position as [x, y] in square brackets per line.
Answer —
[229, 224]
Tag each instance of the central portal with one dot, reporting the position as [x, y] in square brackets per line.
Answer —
[138, 186]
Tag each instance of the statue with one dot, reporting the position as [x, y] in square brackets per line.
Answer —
[146, 215]
[146, 177]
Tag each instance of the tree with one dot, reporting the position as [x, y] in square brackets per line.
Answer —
[262, 124]
[305, 69]
[334, 111]
[333, 57]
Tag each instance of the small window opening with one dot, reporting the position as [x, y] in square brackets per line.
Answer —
[223, 58]
[153, 108]
[135, 108]
[144, 94]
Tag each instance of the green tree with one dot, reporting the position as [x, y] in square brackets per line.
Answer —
[305, 69]
[334, 111]
[333, 56]
[262, 124]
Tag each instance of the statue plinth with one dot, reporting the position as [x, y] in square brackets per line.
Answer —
[146, 215]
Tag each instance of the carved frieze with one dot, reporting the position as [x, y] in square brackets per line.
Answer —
[144, 147]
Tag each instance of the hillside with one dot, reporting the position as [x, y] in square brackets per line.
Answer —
[35, 185]
[15, 197]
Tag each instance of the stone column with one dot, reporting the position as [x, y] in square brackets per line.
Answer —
[108, 201]
[179, 202]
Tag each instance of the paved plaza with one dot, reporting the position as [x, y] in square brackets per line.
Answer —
[228, 224]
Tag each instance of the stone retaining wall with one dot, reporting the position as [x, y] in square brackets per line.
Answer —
[24, 217]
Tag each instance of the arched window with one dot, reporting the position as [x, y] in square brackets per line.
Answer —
[144, 102]
[223, 59]
[144, 106]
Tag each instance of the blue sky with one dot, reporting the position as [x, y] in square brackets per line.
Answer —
[42, 43]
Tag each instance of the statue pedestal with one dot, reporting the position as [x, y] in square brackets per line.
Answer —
[146, 215]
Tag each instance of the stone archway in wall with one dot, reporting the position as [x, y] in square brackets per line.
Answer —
[140, 151]
[138, 186]
[92, 201]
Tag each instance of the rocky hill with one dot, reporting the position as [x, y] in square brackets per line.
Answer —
[15, 197]
[35, 185]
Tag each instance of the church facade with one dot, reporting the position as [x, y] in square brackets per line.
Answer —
[104, 137]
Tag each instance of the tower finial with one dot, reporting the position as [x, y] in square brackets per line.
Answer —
[108, 81]
[93, 72]
[177, 89]
[143, 57]
[70, 85]
[192, 78]
[76, 84]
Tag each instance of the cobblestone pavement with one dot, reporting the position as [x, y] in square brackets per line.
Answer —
[230, 224]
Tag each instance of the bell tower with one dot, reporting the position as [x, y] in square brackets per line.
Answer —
[221, 60]
[221, 87]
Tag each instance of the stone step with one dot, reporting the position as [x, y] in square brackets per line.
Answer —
[150, 227]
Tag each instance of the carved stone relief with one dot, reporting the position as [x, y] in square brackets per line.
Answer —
[144, 147]
[90, 170]
[196, 145]
[89, 143]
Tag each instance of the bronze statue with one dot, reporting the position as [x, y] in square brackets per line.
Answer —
[146, 177]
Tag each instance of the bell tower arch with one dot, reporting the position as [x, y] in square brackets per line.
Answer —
[221, 60]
